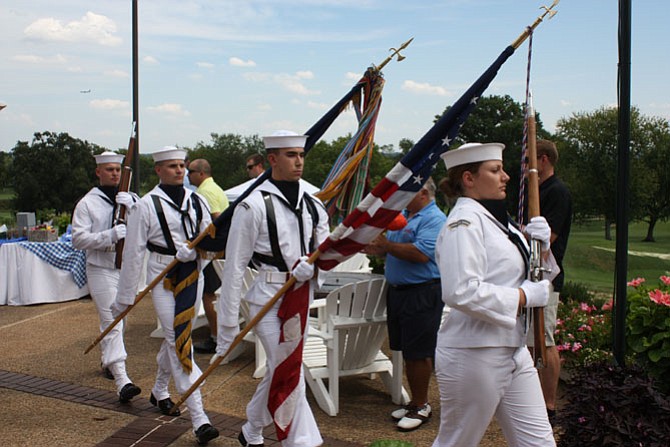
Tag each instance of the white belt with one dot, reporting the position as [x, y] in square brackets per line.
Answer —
[162, 259]
[276, 277]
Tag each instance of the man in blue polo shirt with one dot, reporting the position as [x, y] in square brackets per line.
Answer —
[414, 302]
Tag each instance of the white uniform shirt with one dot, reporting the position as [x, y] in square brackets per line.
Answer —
[143, 226]
[92, 228]
[249, 234]
[481, 272]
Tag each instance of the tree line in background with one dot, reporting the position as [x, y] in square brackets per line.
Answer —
[54, 170]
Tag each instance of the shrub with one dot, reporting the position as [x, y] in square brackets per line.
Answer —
[613, 406]
[648, 327]
[583, 330]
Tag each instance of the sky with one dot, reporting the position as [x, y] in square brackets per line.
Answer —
[251, 67]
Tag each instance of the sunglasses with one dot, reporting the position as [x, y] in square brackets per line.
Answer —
[250, 167]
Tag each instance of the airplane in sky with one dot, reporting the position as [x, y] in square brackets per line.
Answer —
[85, 91]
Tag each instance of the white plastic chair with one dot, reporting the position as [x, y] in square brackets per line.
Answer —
[350, 344]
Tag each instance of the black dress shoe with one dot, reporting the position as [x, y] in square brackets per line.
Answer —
[206, 433]
[128, 391]
[244, 442]
[164, 405]
[107, 373]
[207, 346]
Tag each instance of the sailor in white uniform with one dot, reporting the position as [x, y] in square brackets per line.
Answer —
[275, 227]
[483, 367]
[163, 222]
[94, 230]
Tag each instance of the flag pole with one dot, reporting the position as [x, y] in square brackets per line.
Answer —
[148, 288]
[216, 361]
[209, 230]
[548, 10]
[247, 327]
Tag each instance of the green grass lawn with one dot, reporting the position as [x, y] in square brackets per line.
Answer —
[594, 267]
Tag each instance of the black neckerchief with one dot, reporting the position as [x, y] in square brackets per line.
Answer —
[289, 190]
[174, 192]
[109, 192]
[498, 209]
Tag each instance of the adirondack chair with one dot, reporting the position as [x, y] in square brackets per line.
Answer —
[350, 344]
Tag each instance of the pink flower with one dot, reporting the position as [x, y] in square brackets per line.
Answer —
[635, 282]
[659, 297]
[608, 305]
[584, 327]
[576, 346]
[584, 307]
[666, 280]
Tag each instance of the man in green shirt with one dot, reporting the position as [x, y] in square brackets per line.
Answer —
[200, 175]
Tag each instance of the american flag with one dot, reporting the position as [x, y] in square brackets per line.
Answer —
[285, 385]
[401, 184]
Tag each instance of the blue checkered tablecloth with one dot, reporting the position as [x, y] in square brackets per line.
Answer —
[61, 255]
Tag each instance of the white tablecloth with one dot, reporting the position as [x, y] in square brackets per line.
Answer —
[26, 279]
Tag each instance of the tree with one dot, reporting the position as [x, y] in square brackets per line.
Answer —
[227, 155]
[654, 194]
[53, 171]
[500, 119]
[589, 156]
[5, 166]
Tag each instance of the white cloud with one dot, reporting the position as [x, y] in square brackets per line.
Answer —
[565, 103]
[289, 82]
[351, 76]
[109, 104]
[117, 73]
[90, 28]
[150, 60]
[170, 109]
[265, 107]
[304, 75]
[425, 88]
[317, 105]
[33, 59]
[204, 64]
[237, 62]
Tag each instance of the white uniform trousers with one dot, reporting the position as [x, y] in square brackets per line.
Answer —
[168, 362]
[479, 383]
[102, 285]
[304, 432]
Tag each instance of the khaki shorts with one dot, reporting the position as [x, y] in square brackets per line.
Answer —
[549, 322]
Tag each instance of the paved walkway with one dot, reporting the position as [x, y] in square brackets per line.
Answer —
[54, 395]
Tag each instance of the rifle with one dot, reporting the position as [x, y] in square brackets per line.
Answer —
[124, 186]
[536, 269]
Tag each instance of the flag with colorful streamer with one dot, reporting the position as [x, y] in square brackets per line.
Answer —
[391, 195]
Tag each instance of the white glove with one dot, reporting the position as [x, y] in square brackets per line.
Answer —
[118, 308]
[185, 254]
[125, 199]
[224, 338]
[539, 229]
[537, 293]
[303, 270]
[118, 232]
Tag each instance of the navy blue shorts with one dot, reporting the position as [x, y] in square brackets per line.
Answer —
[212, 280]
[414, 314]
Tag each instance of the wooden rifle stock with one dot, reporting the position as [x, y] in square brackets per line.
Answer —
[124, 186]
[539, 348]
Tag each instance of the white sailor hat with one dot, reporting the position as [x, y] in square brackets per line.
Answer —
[472, 153]
[284, 138]
[169, 153]
[108, 157]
